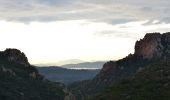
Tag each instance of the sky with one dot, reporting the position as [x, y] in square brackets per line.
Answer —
[49, 31]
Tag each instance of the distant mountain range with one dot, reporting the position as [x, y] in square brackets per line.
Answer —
[82, 65]
[60, 63]
[69, 61]
[70, 73]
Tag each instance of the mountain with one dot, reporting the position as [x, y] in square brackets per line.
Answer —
[67, 76]
[60, 63]
[21, 81]
[85, 65]
[153, 48]
[70, 61]
[152, 82]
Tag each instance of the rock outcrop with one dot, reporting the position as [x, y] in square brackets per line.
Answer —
[153, 46]
[15, 55]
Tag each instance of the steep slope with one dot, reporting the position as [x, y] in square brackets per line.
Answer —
[110, 73]
[152, 82]
[21, 81]
[152, 48]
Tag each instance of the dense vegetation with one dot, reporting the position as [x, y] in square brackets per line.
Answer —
[118, 70]
[20, 82]
[151, 82]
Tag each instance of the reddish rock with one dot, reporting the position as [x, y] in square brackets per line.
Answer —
[153, 46]
[148, 47]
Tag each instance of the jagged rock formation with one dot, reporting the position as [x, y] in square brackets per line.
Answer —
[15, 55]
[152, 48]
[21, 81]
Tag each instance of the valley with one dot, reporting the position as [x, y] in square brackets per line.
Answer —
[144, 75]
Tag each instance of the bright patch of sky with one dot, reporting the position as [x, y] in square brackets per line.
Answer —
[52, 30]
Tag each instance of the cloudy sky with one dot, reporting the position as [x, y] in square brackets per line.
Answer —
[52, 30]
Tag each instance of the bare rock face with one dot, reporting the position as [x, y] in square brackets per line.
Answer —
[15, 55]
[153, 46]
[148, 47]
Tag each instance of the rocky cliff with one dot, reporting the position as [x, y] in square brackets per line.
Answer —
[152, 48]
[142, 75]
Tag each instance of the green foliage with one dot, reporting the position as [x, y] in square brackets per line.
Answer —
[16, 83]
[119, 70]
[152, 82]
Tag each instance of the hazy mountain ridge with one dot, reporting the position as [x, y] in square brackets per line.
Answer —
[70, 73]
[80, 65]
[60, 63]
[152, 48]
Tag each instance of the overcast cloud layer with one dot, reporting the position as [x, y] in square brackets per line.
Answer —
[110, 11]
[125, 16]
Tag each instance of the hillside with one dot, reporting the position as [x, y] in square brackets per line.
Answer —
[67, 76]
[21, 81]
[152, 82]
[110, 73]
[153, 48]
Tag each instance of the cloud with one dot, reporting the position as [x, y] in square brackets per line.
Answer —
[115, 13]
[135, 30]
[112, 11]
